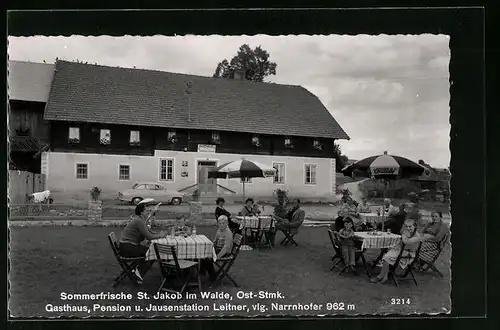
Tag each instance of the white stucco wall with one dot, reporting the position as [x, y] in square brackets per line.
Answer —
[103, 172]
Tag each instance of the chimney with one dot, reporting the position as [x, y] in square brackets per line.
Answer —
[239, 74]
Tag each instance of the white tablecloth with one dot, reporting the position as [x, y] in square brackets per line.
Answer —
[191, 247]
[371, 218]
[381, 241]
[253, 222]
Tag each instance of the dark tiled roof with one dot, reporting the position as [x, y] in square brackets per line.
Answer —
[93, 93]
[28, 81]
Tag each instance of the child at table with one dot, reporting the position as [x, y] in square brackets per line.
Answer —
[346, 234]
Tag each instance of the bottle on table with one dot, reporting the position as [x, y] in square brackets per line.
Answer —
[193, 232]
[172, 231]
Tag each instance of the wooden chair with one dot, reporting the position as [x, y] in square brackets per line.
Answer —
[289, 237]
[224, 264]
[127, 264]
[339, 259]
[180, 269]
[407, 271]
[266, 233]
[430, 253]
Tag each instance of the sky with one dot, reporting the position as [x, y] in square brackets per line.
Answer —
[389, 93]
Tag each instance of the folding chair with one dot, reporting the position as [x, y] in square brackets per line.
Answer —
[127, 264]
[180, 269]
[407, 271]
[430, 253]
[224, 264]
[338, 259]
[288, 239]
[268, 233]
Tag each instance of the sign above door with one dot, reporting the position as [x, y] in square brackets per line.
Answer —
[209, 148]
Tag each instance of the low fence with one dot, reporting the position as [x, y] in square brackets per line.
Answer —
[79, 211]
[22, 183]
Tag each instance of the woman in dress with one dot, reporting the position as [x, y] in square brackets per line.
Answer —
[136, 237]
[220, 210]
[410, 240]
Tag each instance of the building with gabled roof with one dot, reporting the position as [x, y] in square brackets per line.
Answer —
[112, 126]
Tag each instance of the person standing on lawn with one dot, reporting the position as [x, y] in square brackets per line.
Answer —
[135, 239]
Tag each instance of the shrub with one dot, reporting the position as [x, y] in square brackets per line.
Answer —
[282, 199]
[95, 193]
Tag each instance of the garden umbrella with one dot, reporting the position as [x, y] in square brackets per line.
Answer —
[242, 169]
[386, 167]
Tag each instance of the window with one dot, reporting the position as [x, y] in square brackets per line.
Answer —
[256, 140]
[317, 145]
[82, 171]
[310, 170]
[105, 137]
[246, 180]
[167, 169]
[139, 187]
[215, 137]
[279, 176]
[124, 172]
[135, 138]
[288, 143]
[74, 135]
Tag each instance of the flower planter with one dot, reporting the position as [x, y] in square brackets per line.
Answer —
[95, 211]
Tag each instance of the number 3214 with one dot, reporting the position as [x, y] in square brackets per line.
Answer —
[400, 301]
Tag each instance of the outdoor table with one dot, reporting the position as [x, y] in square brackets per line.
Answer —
[252, 223]
[381, 240]
[372, 218]
[188, 248]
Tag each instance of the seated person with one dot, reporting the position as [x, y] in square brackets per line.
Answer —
[250, 209]
[435, 230]
[182, 225]
[132, 239]
[348, 244]
[363, 206]
[395, 221]
[410, 242]
[223, 244]
[220, 210]
[388, 208]
[294, 219]
[347, 209]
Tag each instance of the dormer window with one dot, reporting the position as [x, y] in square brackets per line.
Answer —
[288, 143]
[105, 137]
[74, 135]
[172, 136]
[215, 137]
[256, 141]
[317, 145]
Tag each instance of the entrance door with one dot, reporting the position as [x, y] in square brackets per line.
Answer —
[205, 184]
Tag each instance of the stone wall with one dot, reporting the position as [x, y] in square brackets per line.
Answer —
[95, 211]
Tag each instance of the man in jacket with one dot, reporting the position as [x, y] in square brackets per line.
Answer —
[293, 221]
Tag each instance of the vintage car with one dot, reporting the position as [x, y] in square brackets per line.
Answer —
[143, 190]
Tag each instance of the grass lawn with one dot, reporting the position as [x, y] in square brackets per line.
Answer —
[49, 260]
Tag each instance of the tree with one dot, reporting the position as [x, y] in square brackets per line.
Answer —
[254, 61]
[340, 160]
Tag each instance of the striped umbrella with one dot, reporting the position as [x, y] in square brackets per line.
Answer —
[384, 167]
[242, 169]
